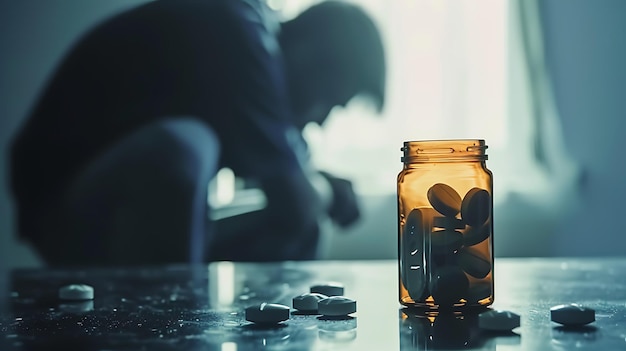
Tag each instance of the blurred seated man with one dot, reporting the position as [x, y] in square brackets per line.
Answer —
[113, 163]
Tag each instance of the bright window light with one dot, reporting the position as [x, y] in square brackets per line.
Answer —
[446, 80]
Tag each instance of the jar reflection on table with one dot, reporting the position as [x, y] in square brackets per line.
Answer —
[427, 330]
[445, 225]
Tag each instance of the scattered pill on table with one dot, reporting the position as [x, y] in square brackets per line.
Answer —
[76, 292]
[336, 306]
[308, 302]
[498, 320]
[444, 199]
[572, 314]
[267, 313]
[328, 289]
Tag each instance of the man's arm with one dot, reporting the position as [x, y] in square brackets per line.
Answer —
[286, 229]
[261, 144]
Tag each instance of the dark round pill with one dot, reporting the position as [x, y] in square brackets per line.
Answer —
[474, 263]
[498, 320]
[448, 285]
[307, 302]
[448, 222]
[444, 199]
[328, 289]
[336, 306]
[446, 240]
[476, 207]
[411, 254]
[476, 235]
[438, 259]
[572, 314]
[267, 313]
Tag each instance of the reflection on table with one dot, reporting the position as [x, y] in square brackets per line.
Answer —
[200, 307]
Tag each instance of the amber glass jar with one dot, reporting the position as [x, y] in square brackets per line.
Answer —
[445, 225]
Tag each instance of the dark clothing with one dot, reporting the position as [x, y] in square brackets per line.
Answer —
[216, 60]
[142, 201]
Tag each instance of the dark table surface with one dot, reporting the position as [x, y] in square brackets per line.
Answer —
[201, 308]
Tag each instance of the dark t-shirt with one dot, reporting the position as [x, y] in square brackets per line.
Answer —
[218, 60]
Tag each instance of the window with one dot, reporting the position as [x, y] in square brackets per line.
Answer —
[446, 79]
[456, 69]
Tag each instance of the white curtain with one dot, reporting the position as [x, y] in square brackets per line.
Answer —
[536, 135]
[539, 178]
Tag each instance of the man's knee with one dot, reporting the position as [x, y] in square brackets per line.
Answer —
[146, 195]
[194, 138]
[185, 146]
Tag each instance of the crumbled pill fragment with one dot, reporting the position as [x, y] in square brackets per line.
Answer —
[474, 263]
[328, 289]
[444, 199]
[307, 302]
[475, 208]
[267, 313]
[76, 292]
[336, 306]
[498, 320]
[572, 314]
[448, 222]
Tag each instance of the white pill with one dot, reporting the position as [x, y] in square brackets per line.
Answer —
[328, 289]
[476, 207]
[267, 313]
[337, 306]
[444, 199]
[307, 302]
[76, 292]
[572, 314]
[498, 320]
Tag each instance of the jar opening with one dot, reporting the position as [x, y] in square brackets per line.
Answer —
[444, 150]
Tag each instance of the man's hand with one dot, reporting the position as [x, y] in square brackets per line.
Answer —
[344, 209]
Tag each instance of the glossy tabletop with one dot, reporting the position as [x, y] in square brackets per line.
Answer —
[201, 308]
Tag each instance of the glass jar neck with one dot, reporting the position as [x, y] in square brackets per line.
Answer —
[435, 151]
